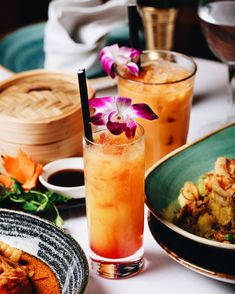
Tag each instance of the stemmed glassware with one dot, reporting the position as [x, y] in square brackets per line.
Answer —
[217, 19]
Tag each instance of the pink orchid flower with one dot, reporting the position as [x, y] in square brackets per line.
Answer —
[117, 114]
[111, 56]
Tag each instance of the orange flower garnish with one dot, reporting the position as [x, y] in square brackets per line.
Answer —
[23, 169]
[5, 180]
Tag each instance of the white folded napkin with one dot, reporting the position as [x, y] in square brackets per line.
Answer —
[76, 31]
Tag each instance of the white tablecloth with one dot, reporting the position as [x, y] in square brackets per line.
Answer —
[161, 274]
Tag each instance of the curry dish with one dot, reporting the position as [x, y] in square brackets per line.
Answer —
[208, 207]
[22, 273]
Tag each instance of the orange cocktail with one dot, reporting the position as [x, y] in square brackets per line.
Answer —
[165, 83]
[114, 181]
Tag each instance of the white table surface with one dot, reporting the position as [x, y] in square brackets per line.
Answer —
[161, 274]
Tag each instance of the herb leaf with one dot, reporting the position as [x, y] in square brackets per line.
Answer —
[29, 206]
[33, 200]
[228, 237]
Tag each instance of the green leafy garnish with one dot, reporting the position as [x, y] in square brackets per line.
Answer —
[33, 200]
[228, 237]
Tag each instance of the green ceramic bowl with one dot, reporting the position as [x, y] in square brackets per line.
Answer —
[167, 176]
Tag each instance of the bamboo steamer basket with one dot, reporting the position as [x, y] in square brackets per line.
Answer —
[40, 112]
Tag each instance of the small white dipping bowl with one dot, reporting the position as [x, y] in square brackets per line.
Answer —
[76, 192]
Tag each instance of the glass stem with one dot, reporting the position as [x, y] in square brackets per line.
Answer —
[231, 68]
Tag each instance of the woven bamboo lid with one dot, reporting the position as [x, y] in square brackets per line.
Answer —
[40, 107]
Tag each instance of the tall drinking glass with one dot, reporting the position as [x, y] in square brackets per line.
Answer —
[165, 83]
[218, 24]
[114, 181]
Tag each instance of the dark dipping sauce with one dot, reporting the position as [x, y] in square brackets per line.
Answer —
[67, 178]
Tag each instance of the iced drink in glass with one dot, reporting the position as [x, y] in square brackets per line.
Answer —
[165, 83]
[114, 181]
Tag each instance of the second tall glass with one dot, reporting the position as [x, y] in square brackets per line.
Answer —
[165, 83]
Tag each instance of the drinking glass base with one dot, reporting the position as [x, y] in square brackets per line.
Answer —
[117, 270]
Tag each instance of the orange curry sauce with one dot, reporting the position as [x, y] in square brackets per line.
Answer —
[44, 281]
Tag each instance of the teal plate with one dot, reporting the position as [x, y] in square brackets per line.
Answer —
[167, 176]
[22, 50]
[195, 256]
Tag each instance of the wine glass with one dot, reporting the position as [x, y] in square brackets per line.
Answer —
[217, 18]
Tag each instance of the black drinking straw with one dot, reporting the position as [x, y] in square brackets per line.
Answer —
[85, 104]
[133, 26]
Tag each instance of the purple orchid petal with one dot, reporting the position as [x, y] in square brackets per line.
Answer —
[108, 66]
[113, 116]
[123, 103]
[124, 51]
[101, 103]
[121, 60]
[129, 52]
[117, 114]
[107, 59]
[115, 128]
[135, 53]
[98, 119]
[103, 106]
[111, 56]
[133, 68]
[142, 110]
[113, 48]
[109, 51]
[130, 129]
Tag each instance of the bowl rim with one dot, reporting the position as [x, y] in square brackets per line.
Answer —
[166, 222]
[62, 231]
[199, 268]
[62, 164]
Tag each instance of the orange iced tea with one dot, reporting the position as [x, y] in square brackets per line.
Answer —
[165, 83]
[114, 181]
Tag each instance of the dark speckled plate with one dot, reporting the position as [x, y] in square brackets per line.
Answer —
[212, 262]
[49, 243]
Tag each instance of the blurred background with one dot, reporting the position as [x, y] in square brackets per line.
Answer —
[189, 40]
